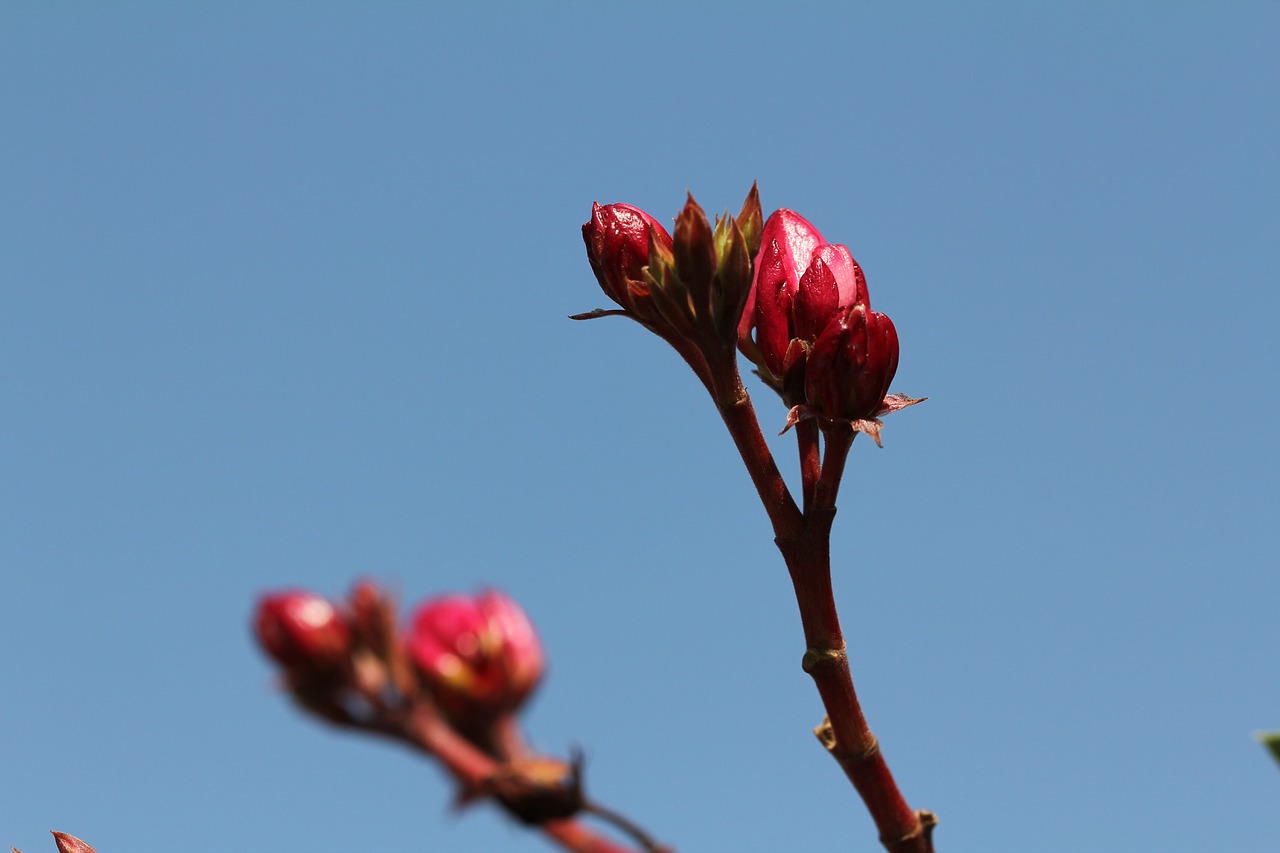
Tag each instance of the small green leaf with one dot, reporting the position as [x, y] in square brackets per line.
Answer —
[1271, 740]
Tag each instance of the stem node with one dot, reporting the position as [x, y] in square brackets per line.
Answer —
[813, 658]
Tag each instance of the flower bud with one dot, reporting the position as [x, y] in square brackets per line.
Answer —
[751, 221]
[70, 844]
[303, 631]
[695, 253]
[800, 284]
[478, 655]
[852, 364]
[617, 239]
[373, 617]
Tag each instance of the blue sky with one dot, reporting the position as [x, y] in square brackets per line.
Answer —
[283, 303]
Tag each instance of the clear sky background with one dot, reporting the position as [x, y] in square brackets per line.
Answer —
[283, 298]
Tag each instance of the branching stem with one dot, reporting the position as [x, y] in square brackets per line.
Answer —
[804, 538]
[422, 728]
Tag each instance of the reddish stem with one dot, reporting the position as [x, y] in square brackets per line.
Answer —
[810, 462]
[805, 542]
[690, 353]
[508, 739]
[838, 442]
[845, 733]
[423, 728]
[739, 417]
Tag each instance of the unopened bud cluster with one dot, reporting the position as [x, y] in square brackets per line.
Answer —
[449, 681]
[475, 657]
[693, 285]
[808, 292]
[476, 654]
[794, 304]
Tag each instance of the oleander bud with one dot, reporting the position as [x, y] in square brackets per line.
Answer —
[303, 632]
[70, 844]
[477, 655]
[618, 238]
[801, 283]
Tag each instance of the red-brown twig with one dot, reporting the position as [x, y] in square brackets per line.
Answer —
[810, 460]
[423, 728]
[804, 539]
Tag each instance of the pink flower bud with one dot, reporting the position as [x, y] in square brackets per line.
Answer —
[617, 239]
[477, 655]
[70, 844]
[303, 631]
[852, 364]
[801, 283]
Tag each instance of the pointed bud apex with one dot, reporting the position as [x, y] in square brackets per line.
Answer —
[303, 631]
[695, 253]
[1271, 740]
[479, 656]
[71, 844]
[751, 220]
[373, 616]
[733, 280]
[817, 300]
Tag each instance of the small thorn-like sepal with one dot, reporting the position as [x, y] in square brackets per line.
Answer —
[894, 402]
[871, 426]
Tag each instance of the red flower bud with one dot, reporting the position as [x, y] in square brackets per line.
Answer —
[477, 655]
[801, 283]
[617, 239]
[303, 631]
[852, 364]
[70, 844]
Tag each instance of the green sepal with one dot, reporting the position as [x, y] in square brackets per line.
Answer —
[695, 254]
[751, 221]
[669, 294]
[733, 279]
[1271, 740]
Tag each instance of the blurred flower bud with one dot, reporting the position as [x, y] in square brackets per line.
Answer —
[303, 631]
[617, 239]
[376, 624]
[373, 617]
[71, 844]
[478, 655]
